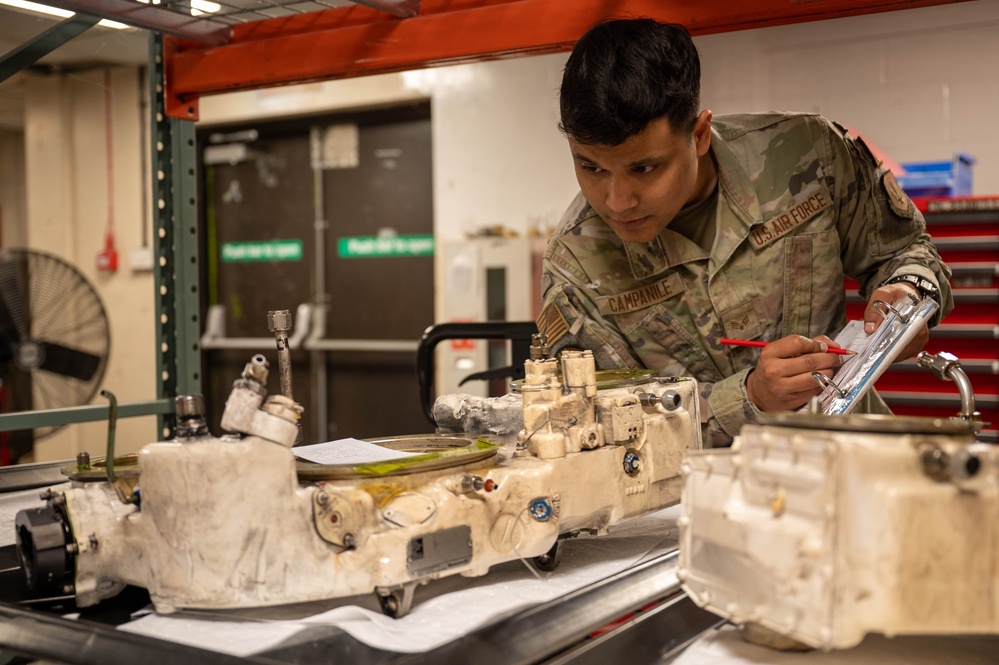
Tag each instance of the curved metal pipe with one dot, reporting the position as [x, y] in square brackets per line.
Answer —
[967, 393]
[947, 367]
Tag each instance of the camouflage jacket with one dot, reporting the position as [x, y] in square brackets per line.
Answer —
[800, 207]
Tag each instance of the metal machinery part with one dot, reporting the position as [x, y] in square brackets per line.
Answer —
[219, 519]
[947, 367]
[279, 323]
[45, 547]
[191, 421]
[823, 528]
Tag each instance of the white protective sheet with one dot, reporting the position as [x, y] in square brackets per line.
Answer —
[443, 610]
[725, 646]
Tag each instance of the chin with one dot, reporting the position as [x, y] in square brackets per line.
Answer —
[643, 235]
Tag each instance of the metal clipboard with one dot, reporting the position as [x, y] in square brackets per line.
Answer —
[874, 354]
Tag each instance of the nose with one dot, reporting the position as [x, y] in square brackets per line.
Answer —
[621, 196]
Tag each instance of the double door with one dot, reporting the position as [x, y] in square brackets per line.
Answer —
[334, 213]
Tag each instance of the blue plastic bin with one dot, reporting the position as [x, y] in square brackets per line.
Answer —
[951, 178]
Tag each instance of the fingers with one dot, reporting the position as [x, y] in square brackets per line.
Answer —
[795, 375]
[795, 355]
[784, 394]
[793, 346]
[782, 379]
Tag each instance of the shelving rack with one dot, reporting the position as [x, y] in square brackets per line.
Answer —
[250, 44]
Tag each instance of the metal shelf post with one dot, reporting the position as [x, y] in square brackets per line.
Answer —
[175, 242]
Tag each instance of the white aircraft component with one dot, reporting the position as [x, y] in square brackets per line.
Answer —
[825, 528]
[221, 523]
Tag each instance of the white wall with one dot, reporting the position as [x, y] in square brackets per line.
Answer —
[921, 83]
[67, 212]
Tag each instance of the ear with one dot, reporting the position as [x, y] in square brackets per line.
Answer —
[702, 132]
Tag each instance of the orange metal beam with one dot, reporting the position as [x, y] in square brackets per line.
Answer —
[357, 41]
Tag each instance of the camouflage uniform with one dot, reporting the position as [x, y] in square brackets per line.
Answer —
[800, 206]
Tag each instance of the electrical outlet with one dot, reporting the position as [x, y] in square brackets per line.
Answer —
[141, 259]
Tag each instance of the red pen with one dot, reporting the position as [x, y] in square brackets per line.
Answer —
[748, 342]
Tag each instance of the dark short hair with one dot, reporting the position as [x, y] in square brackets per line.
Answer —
[623, 74]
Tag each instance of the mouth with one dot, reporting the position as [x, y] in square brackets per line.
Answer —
[630, 223]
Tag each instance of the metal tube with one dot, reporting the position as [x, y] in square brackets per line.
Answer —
[958, 376]
[320, 296]
[948, 367]
[279, 323]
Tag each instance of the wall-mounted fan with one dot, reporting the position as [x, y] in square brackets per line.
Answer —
[54, 335]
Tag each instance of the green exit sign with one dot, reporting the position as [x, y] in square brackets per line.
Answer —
[369, 247]
[264, 250]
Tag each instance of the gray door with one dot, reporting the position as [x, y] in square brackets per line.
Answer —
[260, 220]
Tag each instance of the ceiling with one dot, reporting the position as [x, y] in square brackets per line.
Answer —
[100, 46]
[96, 47]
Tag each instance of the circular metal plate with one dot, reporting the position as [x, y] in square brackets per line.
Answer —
[436, 451]
[857, 422]
[607, 379]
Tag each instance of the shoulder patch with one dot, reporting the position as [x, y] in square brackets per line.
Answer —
[551, 323]
[901, 204]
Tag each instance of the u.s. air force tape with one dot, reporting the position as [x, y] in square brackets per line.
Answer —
[810, 203]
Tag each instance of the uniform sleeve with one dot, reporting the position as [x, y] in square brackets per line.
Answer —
[882, 234]
[725, 408]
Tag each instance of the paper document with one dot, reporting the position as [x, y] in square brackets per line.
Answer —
[853, 337]
[348, 451]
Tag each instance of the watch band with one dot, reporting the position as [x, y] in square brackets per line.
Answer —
[925, 287]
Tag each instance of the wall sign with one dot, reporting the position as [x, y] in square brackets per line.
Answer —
[369, 247]
[264, 250]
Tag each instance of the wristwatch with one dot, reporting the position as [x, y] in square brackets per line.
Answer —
[925, 287]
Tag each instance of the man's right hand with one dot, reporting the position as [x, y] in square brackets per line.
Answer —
[782, 379]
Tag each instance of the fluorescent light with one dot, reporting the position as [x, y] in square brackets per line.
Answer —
[204, 7]
[55, 11]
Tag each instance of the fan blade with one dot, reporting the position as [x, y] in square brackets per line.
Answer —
[69, 362]
[9, 336]
[12, 295]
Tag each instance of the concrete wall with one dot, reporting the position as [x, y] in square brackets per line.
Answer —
[921, 84]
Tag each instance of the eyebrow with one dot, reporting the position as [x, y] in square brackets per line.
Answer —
[651, 159]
